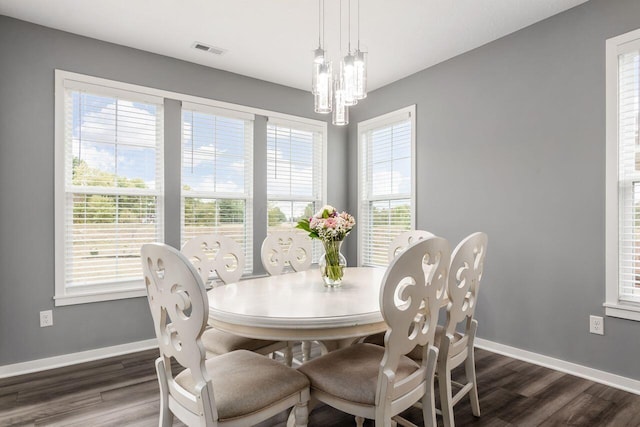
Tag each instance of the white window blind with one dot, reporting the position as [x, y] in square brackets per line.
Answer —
[629, 175]
[217, 175]
[386, 182]
[295, 172]
[112, 174]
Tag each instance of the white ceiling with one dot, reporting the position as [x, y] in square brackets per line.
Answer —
[273, 40]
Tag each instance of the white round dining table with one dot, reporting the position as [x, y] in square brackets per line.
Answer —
[298, 307]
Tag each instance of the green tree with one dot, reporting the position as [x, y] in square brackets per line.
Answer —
[105, 208]
[231, 211]
[275, 216]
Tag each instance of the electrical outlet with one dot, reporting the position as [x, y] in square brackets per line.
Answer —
[596, 325]
[46, 318]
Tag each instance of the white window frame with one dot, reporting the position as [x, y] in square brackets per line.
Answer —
[214, 109]
[117, 291]
[379, 122]
[107, 291]
[318, 128]
[614, 305]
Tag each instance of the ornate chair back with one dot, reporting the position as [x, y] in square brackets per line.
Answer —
[465, 273]
[215, 255]
[286, 250]
[403, 240]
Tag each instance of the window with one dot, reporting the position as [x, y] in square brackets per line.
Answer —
[623, 177]
[110, 178]
[295, 172]
[217, 174]
[109, 185]
[386, 147]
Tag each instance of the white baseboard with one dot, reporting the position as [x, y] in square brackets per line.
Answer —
[602, 377]
[75, 358]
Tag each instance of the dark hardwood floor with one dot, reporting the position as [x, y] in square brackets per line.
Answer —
[123, 391]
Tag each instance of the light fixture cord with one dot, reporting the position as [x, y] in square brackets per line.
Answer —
[349, 28]
[358, 25]
[319, 24]
[323, 45]
[340, 26]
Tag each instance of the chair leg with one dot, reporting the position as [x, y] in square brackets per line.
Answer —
[444, 382]
[288, 354]
[306, 351]
[470, 371]
[166, 416]
[301, 412]
[429, 398]
[359, 421]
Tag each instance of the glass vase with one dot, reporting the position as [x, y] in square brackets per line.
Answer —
[332, 263]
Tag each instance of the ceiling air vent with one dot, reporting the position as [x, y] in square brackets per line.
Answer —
[207, 48]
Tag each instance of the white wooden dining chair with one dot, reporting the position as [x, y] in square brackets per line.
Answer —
[456, 338]
[240, 388]
[378, 383]
[219, 259]
[287, 251]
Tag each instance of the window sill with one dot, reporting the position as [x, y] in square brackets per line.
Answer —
[622, 311]
[89, 297]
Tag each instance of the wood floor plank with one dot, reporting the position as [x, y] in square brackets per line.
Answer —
[64, 404]
[583, 409]
[540, 406]
[625, 415]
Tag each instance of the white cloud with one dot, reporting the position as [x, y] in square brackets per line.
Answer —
[134, 125]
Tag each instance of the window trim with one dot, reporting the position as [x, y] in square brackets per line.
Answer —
[614, 307]
[248, 196]
[313, 126]
[89, 294]
[108, 291]
[377, 122]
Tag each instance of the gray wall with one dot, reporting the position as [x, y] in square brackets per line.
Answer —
[511, 141]
[29, 54]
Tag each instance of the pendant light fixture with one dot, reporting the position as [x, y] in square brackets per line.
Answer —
[322, 76]
[335, 93]
[347, 66]
[360, 67]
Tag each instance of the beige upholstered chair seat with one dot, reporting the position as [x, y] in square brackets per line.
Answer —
[245, 382]
[218, 342]
[351, 374]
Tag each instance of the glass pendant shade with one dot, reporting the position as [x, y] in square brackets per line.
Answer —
[360, 74]
[318, 55]
[317, 68]
[347, 71]
[340, 110]
[323, 88]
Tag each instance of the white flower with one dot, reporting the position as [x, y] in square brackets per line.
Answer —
[327, 208]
